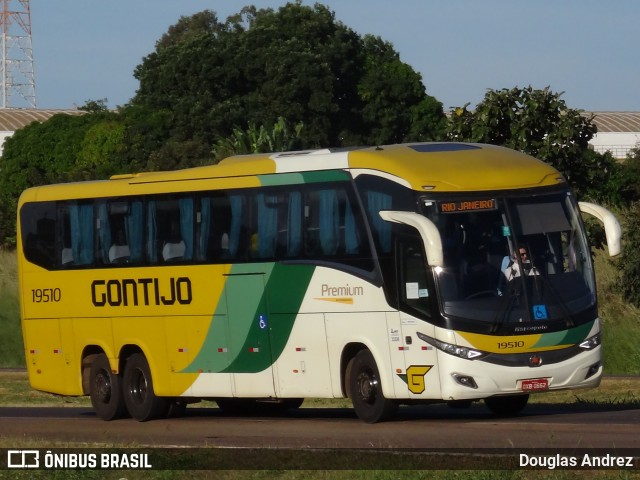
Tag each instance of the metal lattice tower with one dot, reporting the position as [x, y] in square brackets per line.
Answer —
[18, 80]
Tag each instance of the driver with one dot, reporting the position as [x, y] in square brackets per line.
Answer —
[512, 270]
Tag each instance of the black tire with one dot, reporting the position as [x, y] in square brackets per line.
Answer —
[177, 409]
[508, 405]
[137, 387]
[365, 390]
[105, 390]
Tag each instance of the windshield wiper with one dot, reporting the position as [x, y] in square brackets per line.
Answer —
[509, 301]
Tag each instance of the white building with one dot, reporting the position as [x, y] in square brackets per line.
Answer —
[12, 119]
[618, 132]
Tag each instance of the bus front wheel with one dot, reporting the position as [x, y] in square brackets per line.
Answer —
[105, 390]
[139, 396]
[365, 390]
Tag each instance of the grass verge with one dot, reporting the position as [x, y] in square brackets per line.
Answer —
[11, 349]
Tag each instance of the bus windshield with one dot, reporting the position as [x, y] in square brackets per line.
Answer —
[513, 259]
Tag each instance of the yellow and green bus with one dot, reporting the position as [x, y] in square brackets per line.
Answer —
[399, 274]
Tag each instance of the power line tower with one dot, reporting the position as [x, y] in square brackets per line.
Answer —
[18, 80]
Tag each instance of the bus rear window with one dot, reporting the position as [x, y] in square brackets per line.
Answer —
[38, 222]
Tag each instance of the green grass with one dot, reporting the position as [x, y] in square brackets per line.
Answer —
[15, 391]
[327, 475]
[620, 321]
[11, 347]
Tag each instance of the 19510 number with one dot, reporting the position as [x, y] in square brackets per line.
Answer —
[46, 295]
[510, 345]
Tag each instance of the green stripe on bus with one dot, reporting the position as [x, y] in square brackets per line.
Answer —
[316, 176]
[565, 337]
[251, 335]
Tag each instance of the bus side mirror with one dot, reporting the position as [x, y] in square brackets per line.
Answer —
[427, 229]
[611, 225]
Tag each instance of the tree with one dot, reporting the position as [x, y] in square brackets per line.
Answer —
[629, 185]
[101, 146]
[95, 106]
[539, 123]
[396, 111]
[628, 177]
[279, 138]
[38, 154]
[629, 279]
[297, 63]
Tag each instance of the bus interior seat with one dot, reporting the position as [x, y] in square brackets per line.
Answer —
[173, 251]
[119, 253]
[67, 256]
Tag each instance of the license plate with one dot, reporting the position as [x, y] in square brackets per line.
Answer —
[535, 385]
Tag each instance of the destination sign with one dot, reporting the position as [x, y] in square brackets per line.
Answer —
[469, 206]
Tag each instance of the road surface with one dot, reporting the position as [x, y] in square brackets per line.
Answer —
[425, 427]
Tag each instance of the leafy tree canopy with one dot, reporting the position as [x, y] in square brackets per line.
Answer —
[296, 63]
[539, 123]
[279, 138]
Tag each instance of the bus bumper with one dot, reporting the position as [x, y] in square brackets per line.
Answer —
[462, 379]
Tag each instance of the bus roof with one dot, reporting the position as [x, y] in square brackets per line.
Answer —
[444, 167]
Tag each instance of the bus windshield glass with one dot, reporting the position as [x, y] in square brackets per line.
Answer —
[513, 259]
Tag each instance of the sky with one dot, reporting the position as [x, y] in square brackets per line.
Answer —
[588, 49]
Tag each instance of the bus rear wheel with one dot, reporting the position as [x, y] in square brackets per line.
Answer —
[508, 405]
[365, 390]
[105, 390]
[139, 396]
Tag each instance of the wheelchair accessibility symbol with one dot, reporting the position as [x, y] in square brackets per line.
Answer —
[540, 312]
[262, 322]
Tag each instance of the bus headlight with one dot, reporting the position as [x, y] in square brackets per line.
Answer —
[591, 342]
[456, 350]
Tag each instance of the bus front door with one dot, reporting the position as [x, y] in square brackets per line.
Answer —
[249, 338]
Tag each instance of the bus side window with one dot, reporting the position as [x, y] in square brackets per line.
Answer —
[82, 228]
[377, 201]
[265, 236]
[214, 219]
[170, 229]
[112, 242]
[239, 228]
[322, 223]
[293, 233]
[414, 287]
